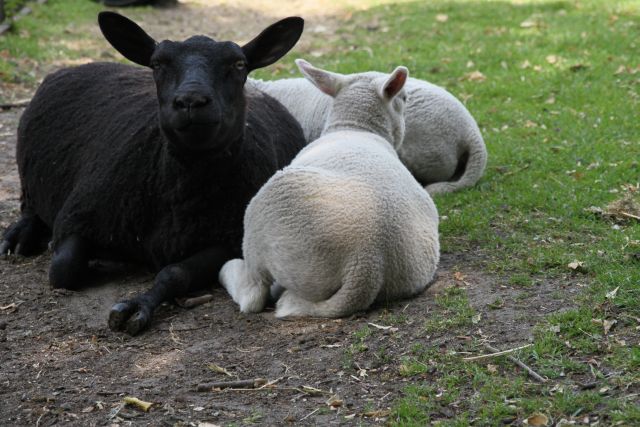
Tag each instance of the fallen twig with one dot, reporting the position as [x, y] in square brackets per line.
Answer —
[16, 104]
[254, 383]
[195, 301]
[107, 393]
[533, 374]
[628, 215]
[495, 353]
[309, 414]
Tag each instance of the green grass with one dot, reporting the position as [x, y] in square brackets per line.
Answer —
[36, 39]
[560, 113]
[455, 311]
[563, 133]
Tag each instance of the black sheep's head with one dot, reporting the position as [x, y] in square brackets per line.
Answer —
[200, 82]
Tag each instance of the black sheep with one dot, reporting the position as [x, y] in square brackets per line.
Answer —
[115, 166]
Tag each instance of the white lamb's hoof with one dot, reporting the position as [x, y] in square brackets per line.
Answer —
[251, 297]
[230, 275]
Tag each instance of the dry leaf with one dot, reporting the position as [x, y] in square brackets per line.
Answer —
[607, 324]
[475, 76]
[492, 368]
[557, 389]
[525, 64]
[218, 369]
[552, 59]
[458, 276]
[334, 402]
[441, 17]
[530, 23]
[621, 69]
[537, 419]
[550, 100]
[575, 265]
[612, 294]
[140, 404]
[530, 124]
[476, 318]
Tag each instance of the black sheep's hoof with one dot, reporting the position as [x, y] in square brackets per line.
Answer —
[5, 247]
[129, 316]
[28, 236]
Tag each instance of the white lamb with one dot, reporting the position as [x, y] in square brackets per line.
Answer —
[443, 147]
[345, 224]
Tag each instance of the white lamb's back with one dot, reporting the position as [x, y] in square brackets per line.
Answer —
[344, 196]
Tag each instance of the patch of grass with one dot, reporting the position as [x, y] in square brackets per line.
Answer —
[558, 110]
[456, 311]
[358, 346]
[521, 279]
[52, 32]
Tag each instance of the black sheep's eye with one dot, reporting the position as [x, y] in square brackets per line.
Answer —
[240, 65]
[156, 64]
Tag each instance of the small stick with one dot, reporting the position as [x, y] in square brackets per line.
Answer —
[496, 353]
[107, 393]
[255, 383]
[533, 374]
[16, 104]
[196, 301]
[309, 414]
[628, 215]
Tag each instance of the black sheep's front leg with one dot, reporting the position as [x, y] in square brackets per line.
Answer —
[70, 262]
[172, 281]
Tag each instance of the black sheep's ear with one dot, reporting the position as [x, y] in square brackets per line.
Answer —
[127, 37]
[273, 42]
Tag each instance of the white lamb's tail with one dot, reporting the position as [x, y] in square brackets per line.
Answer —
[473, 170]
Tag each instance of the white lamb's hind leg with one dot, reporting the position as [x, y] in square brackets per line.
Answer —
[290, 305]
[250, 294]
[360, 286]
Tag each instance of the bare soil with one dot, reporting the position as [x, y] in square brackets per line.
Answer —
[59, 362]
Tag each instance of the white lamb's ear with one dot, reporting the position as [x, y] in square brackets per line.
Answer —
[328, 82]
[394, 83]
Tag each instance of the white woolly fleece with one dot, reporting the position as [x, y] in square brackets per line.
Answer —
[440, 131]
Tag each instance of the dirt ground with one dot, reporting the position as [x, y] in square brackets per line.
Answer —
[59, 362]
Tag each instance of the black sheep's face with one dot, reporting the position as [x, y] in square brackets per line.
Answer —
[200, 86]
[200, 82]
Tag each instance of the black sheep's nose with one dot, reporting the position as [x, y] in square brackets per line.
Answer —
[190, 101]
